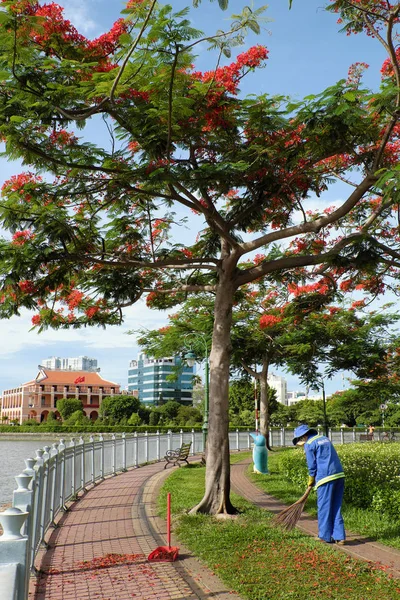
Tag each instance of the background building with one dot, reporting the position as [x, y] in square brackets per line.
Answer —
[294, 397]
[280, 386]
[149, 377]
[36, 398]
[79, 363]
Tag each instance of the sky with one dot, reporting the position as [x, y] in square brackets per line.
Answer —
[306, 55]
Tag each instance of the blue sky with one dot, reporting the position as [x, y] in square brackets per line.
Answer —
[307, 54]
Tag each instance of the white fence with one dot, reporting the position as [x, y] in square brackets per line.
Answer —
[58, 473]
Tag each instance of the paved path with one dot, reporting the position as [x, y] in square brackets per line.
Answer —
[99, 551]
[113, 527]
[357, 546]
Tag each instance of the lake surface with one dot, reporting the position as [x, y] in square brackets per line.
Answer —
[12, 455]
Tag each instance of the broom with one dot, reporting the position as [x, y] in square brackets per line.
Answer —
[289, 516]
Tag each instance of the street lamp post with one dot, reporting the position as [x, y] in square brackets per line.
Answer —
[191, 358]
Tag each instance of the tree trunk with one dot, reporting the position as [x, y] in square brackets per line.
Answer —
[264, 401]
[217, 493]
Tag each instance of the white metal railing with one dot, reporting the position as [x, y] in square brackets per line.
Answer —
[60, 472]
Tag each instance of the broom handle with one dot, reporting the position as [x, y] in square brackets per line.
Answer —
[169, 519]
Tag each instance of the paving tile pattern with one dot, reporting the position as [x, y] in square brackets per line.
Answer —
[116, 521]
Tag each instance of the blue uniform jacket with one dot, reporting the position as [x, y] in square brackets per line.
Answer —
[322, 460]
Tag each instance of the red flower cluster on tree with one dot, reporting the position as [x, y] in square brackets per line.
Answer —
[21, 237]
[62, 138]
[74, 299]
[267, 321]
[27, 287]
[36, 320]
[226, 79]
[55, 34]
[17, 183]
[297, 290]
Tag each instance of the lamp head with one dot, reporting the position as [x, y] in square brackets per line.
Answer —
[190, 358]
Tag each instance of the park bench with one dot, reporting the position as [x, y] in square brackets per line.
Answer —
[181, 454]
[366, 437]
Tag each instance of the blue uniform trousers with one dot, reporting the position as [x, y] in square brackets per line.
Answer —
[329, 503]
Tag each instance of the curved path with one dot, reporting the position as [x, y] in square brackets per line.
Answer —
[113, 527]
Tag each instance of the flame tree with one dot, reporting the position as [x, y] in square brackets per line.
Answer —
[94, 226]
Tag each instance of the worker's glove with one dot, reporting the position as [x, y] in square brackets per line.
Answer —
[311, 481]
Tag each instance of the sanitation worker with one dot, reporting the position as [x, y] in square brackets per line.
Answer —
[326, 473]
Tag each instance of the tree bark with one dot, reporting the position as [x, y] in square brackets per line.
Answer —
[216, 498]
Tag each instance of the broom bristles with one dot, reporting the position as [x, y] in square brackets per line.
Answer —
[289, 516]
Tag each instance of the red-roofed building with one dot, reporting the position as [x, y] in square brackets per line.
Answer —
[36, 398]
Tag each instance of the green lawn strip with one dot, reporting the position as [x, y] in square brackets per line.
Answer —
[262, 562]
[379, 527]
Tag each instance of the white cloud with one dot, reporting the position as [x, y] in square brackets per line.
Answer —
[16, 332]
[80, 13]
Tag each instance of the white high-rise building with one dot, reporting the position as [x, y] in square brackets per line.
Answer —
[294, 397]
[79, 363]
[280, 386]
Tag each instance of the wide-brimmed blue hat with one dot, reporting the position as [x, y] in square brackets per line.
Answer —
[303, 430]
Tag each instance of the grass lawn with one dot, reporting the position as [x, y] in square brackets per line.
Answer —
[261, 562]
[369, 523]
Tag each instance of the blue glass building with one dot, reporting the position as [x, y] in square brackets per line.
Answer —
[149, 377]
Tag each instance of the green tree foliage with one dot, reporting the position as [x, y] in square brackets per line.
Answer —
[67, 406]
[189, 415]
[115, 408]
[77, 418]
[134, 420]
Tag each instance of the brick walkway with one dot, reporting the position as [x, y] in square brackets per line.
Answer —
[117, 517]
[357, 546]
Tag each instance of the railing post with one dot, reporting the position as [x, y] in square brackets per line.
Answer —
[83, 469]
[135, 449]
[193, 451]
[237, 440]
[158, 445]
[92, 467]
[22, 496]
[46, 453]
[282, 437]
[29, 470]
[248, 440]
[45, 482]
[354, 434]
[39, 457]
[341, 435]
[113, 454]
[73, 486]
[14, 549]
[61, 451]
[36, 511]
[181, 437]
[123, 451]
[169, 433]
[101, 440]
[330, 433]
[54, 453]
[146, 442]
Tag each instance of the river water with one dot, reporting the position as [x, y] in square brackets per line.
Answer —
[12, 454]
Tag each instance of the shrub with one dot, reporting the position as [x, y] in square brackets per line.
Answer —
[372, 472]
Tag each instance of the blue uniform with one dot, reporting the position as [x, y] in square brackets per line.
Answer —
[324, 464]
